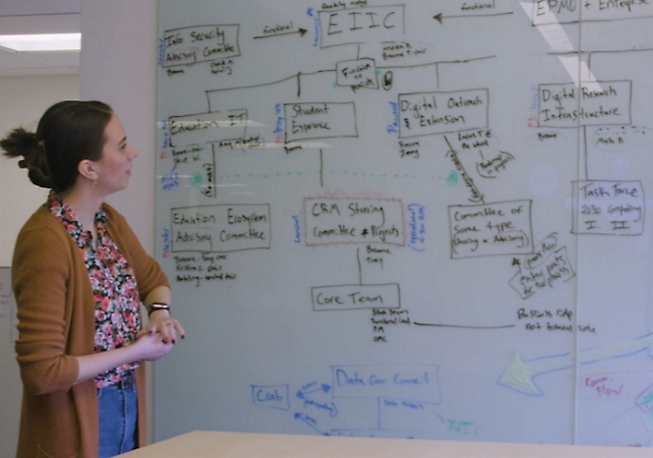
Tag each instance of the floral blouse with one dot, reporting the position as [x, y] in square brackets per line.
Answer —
[117, 317]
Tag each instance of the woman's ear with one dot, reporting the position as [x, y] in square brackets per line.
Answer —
[86, 168]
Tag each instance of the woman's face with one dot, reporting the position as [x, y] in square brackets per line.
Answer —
[114, 166]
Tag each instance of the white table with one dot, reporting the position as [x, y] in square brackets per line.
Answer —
[207, 444]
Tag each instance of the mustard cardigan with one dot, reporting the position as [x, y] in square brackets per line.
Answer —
[56, 322]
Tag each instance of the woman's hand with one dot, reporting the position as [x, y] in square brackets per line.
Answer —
[151, 347]
[162, 323]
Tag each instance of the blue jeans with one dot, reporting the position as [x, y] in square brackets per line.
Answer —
[117, 408]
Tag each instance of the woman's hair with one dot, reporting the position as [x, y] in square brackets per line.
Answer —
[68, 133]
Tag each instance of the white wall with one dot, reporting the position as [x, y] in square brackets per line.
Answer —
[24, 99]
[118, 66]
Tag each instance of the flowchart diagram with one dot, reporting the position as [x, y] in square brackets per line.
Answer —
[413, 182]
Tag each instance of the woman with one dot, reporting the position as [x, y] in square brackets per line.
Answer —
[79, 274]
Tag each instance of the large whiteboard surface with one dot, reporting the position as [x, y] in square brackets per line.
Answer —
[418, 219]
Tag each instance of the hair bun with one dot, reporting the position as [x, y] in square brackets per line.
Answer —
[20, 142]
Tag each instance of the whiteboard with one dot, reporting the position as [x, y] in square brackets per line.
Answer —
[415, 220]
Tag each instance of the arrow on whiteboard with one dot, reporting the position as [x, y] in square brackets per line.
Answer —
[309, 421]
[301, 33]
[519, 375]
[438, 17]
[314, 388]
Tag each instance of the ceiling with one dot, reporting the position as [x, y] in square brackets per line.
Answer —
[39, 16]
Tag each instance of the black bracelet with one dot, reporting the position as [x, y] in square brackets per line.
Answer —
[156, 306]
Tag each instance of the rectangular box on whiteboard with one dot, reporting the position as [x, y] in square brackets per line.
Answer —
[207, 127]
[593, 104]
[272, 397]
[305, 121]
[569, 11]
[220, 228]
[352, 297]
[359, 73]
[401, 381]
[361, 25]
[202, 43]
[494, 229]
[608, 207]
[431, 113]
[348, 220]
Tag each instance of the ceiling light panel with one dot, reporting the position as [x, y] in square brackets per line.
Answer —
[42, 42]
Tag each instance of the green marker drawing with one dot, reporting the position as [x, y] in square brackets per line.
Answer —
[196, 180]
[452, 179]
